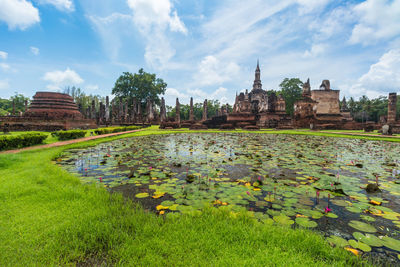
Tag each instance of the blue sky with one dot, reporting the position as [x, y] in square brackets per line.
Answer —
[201, 48]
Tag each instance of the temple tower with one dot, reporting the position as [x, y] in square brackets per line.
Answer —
[178, 112]
[257, 80]
[191, 113]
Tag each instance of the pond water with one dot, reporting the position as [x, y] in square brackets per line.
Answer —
[304, 181]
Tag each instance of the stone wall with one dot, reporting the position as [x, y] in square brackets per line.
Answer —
[328, 101]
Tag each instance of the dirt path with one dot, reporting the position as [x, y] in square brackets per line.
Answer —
[62, 143]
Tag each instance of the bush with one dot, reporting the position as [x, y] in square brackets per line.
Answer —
[22, 140]
[108, 130]
[67, 135]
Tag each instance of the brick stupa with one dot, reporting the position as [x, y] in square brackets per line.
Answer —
[52, 105]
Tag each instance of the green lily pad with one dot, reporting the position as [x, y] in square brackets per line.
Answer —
[368, 239]
[362, 226]
[306, 222]
[142, 195]
[337, 241]
[391, 243]
[367, 218]
[283, 219]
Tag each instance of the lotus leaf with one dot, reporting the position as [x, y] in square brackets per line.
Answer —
[391, 243]
[337, 241]
[305, 222]
[364, 227]
[283, 219]
[142, 195]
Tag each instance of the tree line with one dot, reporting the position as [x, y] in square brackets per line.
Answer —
[143, 86]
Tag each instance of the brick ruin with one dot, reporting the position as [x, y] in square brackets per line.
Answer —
[48, 112]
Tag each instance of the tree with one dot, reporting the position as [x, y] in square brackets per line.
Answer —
[291, 90]
[141, 85]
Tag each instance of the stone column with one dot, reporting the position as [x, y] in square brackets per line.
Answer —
[126, 111]
[392, 108]
[13, 108]
[149, 111]
[191, 113]
[26, 105]
[133, 110]
[139, 111]
[205, 110]
[163, 111]
[178, 112]
[120, 110]
[107, 110]
[93, 114]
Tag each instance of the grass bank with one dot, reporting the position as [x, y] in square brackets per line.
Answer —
[49, 218]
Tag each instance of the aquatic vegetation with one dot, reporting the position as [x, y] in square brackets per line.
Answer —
[312, 182]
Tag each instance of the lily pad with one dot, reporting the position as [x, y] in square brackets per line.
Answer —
[306, 222]
[337, 241]
[283, 219]
[142, 195]
[391, 243]
[368, 239]
[362, 226]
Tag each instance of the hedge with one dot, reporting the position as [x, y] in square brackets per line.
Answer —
[21, 140]
[108, 130]
[67, 135]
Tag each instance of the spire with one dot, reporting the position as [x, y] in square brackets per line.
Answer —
[257, 81]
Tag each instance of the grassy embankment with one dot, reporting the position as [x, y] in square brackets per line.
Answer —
[49, 218]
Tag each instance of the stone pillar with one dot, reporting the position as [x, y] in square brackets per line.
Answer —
[149, 110]
[139, 111]
[126, 111]
[191, 113]
[93, 113]
[205, 109]
[107, 111]
[391, 118]
[133, 110]
[26, 105]
[13, 108]
[120, 110]
[89, 112]
[163, 111]
[178, 112]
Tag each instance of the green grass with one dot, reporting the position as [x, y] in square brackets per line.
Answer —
[49, 218]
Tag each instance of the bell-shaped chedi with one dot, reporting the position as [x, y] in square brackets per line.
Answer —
[53, 106]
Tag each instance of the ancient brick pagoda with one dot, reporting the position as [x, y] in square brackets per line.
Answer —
[49, 111]
[53, 106]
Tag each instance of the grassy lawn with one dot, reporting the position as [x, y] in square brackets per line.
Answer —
[49, 218]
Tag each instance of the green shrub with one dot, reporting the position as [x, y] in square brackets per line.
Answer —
[108, 130]
[22, 140]
[67, 135]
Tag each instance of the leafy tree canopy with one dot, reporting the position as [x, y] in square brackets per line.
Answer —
[141, 85]
[291, 90]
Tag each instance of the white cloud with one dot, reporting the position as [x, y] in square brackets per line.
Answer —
[18, 14]
[153, 18]
[211, 71]
[316, 50]
[35, 50]
[221, 95]
[171, 94]
[62, 78]
[111, 29]
[63, 5]
[5, 67]
[4, 84]
[378, 20]
[308, 6]
[383, 77]
[3, 55]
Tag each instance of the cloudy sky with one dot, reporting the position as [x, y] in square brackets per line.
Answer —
[201, 48]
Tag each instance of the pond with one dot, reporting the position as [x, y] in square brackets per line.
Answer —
[305, 181]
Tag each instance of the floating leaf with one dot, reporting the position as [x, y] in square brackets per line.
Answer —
[391, 243]
[368, 239]
[305, 222]
[338, 241]
[142, 195]
[362, 226]
[283, 219]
